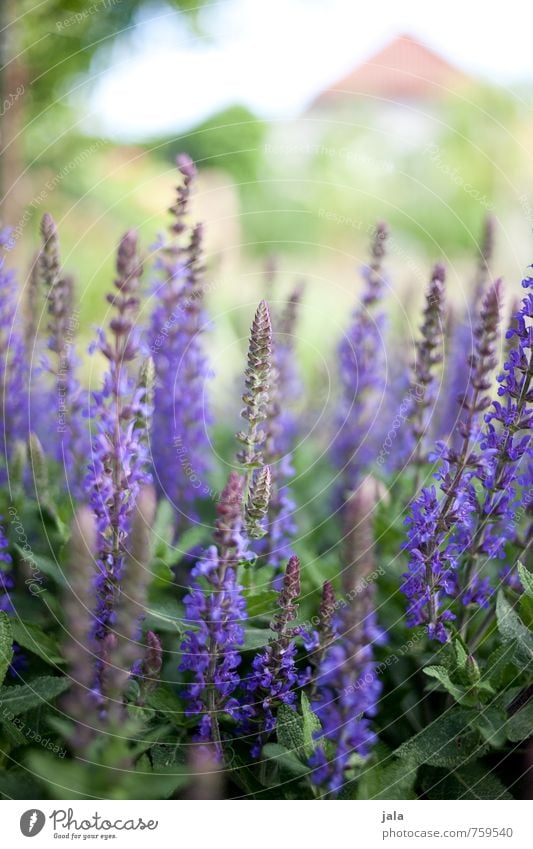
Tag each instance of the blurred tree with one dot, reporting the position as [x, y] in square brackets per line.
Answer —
[43, 48]
[231, 140]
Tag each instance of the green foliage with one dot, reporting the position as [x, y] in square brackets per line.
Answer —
[21, 698]
[387, 779]
[520, 725]
[476, 782]
[230, 140]
[512, 629]
[450, 740]
[6, 643]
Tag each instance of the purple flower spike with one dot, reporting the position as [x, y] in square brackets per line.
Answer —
[507, 442]
[346, 693]
[275, 679]
[216, 609]
[429, 355]
[6, 579]
[361, 369]
[282, 430]
[119, 417]
[460, 333]
[13, 363]
[180, 443]
[70, 445]
[257, 396]
[439, 529]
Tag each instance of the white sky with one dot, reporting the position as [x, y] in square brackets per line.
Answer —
[275, 55]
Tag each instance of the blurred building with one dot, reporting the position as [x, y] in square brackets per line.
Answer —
[404, 72]
[397, 90]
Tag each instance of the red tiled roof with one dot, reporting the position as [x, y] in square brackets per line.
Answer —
[403, 70]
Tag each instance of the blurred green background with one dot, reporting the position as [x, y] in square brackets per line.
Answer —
[304, 184]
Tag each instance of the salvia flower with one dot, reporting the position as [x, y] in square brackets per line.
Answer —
[358, 540]
[257, 503]
[257, 395]
[361, 371]
[346, 688]
[282, 433]
[70, 445]
[461, 340]
[118, 465]
[13, 362]
[150, 668]
[326, 610]
[437, 526]
[507, 441]
[429, 355]
[100, 666]
[81, 703]
[6, 579]
[275, 678]
[346, 694]
[123, 644]
[216, 609]
[180, 444]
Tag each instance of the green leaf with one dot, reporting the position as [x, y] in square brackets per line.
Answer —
[475, 782]
[257, 638]
[163, 529]
[526, 579]
[526, 610]
[499, 663]
[491, 724]
[6, 645]
[461, 655]
[511, 627]
[285, 759]
[41, 565]
[520, 725]
[259, 604]
[34, 639]
[395, 780]
[449, 740]
[311, 724]
[165, 755]
[165, 701]
[289, 729]
[442, 675]
[13, 736]
[165, 615]
[24, 697]
[158, 783]
[16, 784]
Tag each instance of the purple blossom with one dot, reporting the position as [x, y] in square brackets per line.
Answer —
[19, 661]
[429, 355]
[439, 530]
[361, 370]
[66, 431]
[275, 678]
[461, 341]
[282, 433]
[119, 415]
[149, 668]
[6, 579]
[256, 506]
[101, 664]
[346, 695]
[258, 391]
[507, 441]
[13, 363]
[180, 443]
[216, 609]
